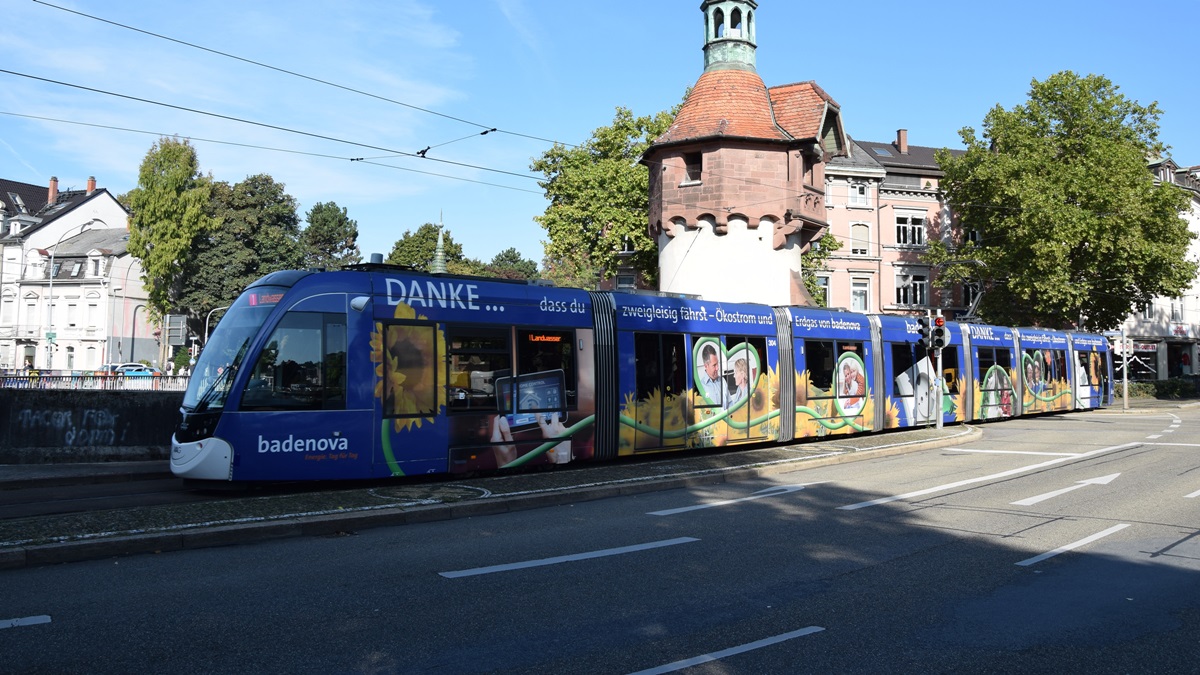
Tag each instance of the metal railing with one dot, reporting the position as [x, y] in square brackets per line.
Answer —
[100, 382]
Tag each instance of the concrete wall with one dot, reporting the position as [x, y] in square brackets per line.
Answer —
[48, 426]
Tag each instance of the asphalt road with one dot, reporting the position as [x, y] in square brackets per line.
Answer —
[1061, 544]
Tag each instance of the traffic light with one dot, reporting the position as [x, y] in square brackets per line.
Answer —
[940, 335]
[924, 329]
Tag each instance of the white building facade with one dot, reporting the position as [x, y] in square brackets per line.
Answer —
[71, 296]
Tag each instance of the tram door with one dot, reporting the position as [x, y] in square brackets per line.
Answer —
[661, 405]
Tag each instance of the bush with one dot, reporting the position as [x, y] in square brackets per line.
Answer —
[1174, 388]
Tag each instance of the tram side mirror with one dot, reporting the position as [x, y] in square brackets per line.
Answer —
[359, 303]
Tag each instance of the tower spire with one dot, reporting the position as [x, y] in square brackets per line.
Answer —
[729, 34]
[438, 266]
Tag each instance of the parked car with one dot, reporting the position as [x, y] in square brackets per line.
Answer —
[130, 369]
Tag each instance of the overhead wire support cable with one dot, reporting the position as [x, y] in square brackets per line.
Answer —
[271, 149]
[300, 75]
[263, 124]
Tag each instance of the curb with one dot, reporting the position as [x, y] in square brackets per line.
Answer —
[17, 557]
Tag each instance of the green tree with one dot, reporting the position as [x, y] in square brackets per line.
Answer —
[598, 196]
[415, 249]
[331, 238]
[573, 271]
[510, 264]
[1071, 227]
[259, 234]
[813, 260]
[169, 212]
[468, 266]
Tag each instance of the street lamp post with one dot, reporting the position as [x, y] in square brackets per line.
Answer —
[51, 336]
[121, 321]
[133, 331]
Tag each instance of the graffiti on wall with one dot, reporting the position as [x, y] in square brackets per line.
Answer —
[71, 428]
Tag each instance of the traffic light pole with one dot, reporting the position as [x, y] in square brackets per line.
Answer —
[938, 385]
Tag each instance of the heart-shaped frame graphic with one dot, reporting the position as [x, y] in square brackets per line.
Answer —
[725, 360]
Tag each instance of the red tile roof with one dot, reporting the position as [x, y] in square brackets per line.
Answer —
[725, 103]
[800, 108]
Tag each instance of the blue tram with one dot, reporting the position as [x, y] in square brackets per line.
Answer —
[375, 371]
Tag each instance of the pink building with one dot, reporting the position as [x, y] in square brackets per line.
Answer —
[884, 207]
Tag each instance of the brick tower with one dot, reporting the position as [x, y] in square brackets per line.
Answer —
[737, 182]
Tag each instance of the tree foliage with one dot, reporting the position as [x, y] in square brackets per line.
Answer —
[573, 271]
[331, 238]
[1071, 226]
[259, 234]
[598, 196]
[415, 249]
[169, 211]
[813, 261]
[510, 264]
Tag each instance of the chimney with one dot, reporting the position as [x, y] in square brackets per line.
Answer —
[902, 141]
[52, 197]
[91, 184]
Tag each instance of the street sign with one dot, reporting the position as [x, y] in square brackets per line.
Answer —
[50, 336]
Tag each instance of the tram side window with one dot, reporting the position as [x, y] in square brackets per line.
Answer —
[659, 365]
[544, 351]
[950, 371]
[819, 356]
[1089, 367]
[478, 356]
[989, 357]
[1060, 364]
[410, 370]
[902, 362]
[852, 374]
[646, 362]
[709, 382]
[302, 366]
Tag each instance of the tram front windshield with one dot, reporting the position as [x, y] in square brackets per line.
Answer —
[222, 355]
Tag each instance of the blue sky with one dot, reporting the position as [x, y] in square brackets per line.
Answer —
[550, 70]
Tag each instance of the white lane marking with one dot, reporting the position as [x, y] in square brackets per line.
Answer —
[1103, 480]
[705, 658]
[983, 479]
[1154, 436]
[1016, 452]
[1193, 495]
[24, 621]
[567, 558]
[1168, 431]
[1063, 549]
[1177, 445]
[761, 494]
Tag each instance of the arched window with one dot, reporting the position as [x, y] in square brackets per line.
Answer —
[735, 23]
[860, 239]
[719, 20]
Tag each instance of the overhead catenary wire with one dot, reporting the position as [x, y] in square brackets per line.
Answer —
[369, 160]
[271, 149]
[264, 125]
[310, 78]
